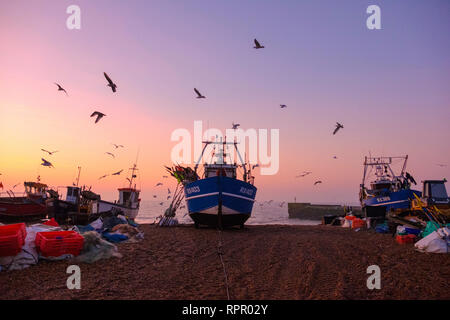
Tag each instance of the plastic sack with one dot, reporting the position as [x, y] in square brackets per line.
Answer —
[435, 242]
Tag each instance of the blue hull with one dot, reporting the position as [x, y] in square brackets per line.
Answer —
[219, 201]
[390, 200]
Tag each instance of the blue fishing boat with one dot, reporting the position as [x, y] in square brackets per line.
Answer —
[389, 190]
[220, 198]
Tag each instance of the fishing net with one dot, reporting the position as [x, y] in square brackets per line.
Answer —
[183, 175]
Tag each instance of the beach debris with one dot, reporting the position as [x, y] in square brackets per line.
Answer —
[110, 84]
[257, 44]
[338, 127]
[95, 248]
[46, 163]
[317, 182]
[49, 152]
[112, 155]
[117, 145]
[235, 125]
[282, 106]
[98, 114]
[199, 95]
[117, 173]
[61, 89]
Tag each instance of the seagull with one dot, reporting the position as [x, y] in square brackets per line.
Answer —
[334, 157]
[61, 89]
[154, 196]
[117, 173]
[257, 45]
[102, 177]
[159, 184]
[254, 166]
[303, 174]
[117, 145]
[168, 197]
[441, 165]
[168, 191]
[49, 152]
[270, 201]
[110, 82]
[46, 163]
[161, 203]
[235, 125]
[165, 177]
[282, 204]
[14, 186]
[283, 106]
[112, 155]
[317, 182]
[98, 114]
[199, 95]
[182, 207]
[338, 126]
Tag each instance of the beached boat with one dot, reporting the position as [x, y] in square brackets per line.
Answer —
[220, 198]
[389, 190]
[128, 203]
[32, 205]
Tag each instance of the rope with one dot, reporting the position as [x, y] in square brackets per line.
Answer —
[220, 253]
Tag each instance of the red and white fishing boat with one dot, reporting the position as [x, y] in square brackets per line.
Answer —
[128, 202]
[32, 205]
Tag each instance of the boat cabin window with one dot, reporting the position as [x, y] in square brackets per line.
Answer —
[126, 196]
[381, 186]
[220, 171]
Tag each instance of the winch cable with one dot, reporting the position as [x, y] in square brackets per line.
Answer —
[220, 253]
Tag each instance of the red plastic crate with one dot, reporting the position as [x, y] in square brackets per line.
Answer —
[12, 238]
[402, 239]
[58, 243]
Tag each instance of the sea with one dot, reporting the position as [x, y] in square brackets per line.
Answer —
[263, 213]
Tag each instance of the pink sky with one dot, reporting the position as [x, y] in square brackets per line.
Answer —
[390, 89]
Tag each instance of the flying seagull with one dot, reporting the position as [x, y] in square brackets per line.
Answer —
[338, 126]
[49, 152]
[165, 177]
[161, 203]
[110, 82]
[168, 191]
[258, 45]
[112, 155]
[199, 95]
[441, 165]
[46, 163]
[117, 173]
[158, 184]
[283, 106]
[303, 174]
[14, 186]
[334, 157]
[154, 196]
[98, 114]
[117, 145]
[317, 182]
[168, 197]
[254, 166]
[102, 177]
[235, 125]
[61, 89]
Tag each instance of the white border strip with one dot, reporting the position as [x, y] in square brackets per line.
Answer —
[385, 203]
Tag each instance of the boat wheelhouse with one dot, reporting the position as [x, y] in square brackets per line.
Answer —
[128, 202]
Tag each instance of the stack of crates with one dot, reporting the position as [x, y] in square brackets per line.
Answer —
[58, 243]
[12, 238]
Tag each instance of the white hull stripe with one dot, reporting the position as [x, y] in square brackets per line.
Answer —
[203, 195]
[224, 193]
[238, 196]
[385, 203]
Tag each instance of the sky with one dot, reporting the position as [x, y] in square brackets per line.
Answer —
[390, 88]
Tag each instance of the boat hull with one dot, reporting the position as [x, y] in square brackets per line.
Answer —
[382, 203]
[100, 206]
[21, 208]
[220, 201]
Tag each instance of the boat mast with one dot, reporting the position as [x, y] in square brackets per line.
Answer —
[133, 170]
[78, 178]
